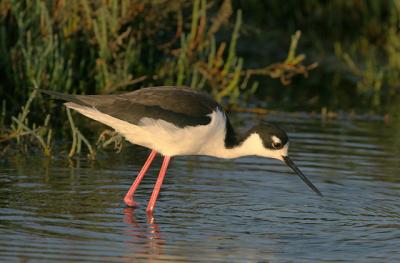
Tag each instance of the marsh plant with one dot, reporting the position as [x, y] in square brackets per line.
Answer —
[101, 47]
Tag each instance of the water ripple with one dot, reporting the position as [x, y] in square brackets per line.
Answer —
[249, 209]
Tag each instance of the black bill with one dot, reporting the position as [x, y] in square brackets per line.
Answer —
[291, 164]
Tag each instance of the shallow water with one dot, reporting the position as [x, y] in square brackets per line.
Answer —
[243, 210]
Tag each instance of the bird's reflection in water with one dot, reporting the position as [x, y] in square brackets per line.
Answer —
[146, 234]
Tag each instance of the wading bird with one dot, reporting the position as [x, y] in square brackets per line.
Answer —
[176, 121]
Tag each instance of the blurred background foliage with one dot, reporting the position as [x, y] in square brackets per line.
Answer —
[355, 42]
[114, 45]
[244, 53]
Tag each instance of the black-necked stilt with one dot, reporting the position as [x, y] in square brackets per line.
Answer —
[177, 121]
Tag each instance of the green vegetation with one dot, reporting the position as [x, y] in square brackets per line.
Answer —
[356, 43]
[102, 47]
[232, 49]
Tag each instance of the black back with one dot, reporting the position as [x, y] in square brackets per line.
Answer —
[180, 106]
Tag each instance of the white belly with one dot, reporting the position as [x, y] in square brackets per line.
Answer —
[164, 137]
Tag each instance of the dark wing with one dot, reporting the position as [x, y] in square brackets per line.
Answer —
[178, 105]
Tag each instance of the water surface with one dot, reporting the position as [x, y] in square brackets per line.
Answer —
[244, 210]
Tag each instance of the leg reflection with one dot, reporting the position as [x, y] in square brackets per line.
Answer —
[147, 235]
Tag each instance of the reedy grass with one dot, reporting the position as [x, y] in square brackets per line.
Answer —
[101, 47]
[77, 139]
[356, 43]
[23, 133]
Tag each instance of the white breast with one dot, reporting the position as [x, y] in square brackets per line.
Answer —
[171, 140]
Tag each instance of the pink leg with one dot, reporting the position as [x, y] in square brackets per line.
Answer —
[128, 199]
[157, 187]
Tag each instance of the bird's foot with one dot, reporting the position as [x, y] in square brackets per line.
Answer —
[130, 202]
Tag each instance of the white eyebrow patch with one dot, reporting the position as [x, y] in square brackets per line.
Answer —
[275, 139]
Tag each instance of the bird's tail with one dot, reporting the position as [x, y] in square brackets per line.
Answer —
[63, 96]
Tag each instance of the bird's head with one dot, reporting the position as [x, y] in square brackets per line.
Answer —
[269, 140]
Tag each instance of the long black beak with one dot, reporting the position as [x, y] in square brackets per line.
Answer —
[291, 164]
